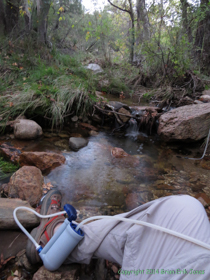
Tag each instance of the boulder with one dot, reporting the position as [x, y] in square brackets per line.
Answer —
[26, 218]
[76, 143]
[27, 129]
[187, 123]
[70, 272]
[42, 160]
[26, 184]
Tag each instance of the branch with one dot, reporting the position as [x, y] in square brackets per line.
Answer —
[114, 112]
[121, 9]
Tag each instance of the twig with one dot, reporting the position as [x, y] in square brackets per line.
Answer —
[121, 9]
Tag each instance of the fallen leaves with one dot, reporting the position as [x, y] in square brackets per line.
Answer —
[47, 187]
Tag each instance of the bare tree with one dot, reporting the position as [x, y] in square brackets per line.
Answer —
[132, 31]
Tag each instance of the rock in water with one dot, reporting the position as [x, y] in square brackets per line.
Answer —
[26, 184]
[187, 123]
[76, 143]
[42, 160]
[27, 129]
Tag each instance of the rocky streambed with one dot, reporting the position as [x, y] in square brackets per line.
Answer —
[108, 173]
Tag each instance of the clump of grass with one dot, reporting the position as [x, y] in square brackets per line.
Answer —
[6, 168]
[52, 89]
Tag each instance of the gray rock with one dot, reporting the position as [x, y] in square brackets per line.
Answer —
[74, 119]
[27, 129]
[187, 123]
[94, 67]
[76, 143]
[26, 218]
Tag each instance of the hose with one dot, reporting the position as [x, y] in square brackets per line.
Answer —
[166, 230]
[37, 214]
[142, 223]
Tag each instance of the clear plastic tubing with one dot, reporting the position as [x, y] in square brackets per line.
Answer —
[142, 223]
[37, 214]
[169, 231]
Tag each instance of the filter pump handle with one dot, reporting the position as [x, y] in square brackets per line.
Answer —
[71, 212]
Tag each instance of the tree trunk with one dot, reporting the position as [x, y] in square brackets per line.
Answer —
[12, 14]
[27, 16]
[143, 26]
[186, 26]
[132, 32]
[2, 18]
[42, 21]
[202, 39]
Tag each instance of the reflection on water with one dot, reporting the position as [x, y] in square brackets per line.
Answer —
[92, 177]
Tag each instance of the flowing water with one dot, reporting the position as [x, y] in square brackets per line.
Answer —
[96, 182]
[93, 180]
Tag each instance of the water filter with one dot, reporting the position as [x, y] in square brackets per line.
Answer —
[60, 245]
[62, 242]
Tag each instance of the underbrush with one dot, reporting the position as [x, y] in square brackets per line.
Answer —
[43, 83]
[37, 81]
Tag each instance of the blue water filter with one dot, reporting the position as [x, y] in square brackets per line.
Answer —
[60, 245]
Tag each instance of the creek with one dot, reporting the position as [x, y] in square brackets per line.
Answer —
[95, 182]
